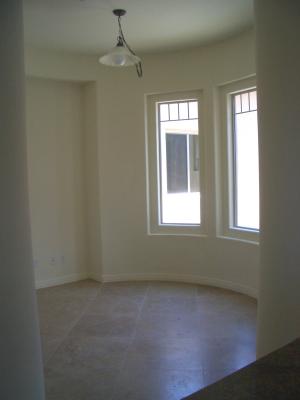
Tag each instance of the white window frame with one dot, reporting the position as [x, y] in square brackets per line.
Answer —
[153, 160]
[225, 153]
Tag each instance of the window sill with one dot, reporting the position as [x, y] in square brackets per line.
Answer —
[176, 230]
[177, 234]
[241, 236]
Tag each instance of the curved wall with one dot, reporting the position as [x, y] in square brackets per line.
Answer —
[127, 251]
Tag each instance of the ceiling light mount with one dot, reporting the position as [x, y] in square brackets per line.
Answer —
[119, 12]
[122, 55]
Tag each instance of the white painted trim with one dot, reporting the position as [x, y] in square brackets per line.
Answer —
[60, 280]
[201, 280]
[224, 159]
[152, 166]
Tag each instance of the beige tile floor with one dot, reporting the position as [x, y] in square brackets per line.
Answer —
[141, 341]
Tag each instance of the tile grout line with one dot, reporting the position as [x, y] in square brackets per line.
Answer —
[131, 340]
[195, 295]
[72, 326]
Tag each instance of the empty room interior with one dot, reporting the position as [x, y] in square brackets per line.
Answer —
[150, 199]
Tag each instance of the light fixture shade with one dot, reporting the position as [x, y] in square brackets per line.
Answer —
[119, 56]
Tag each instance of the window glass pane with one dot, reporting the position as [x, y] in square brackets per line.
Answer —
[179, 172]
[237, 103]
[194, 162]
[173, 111]
[246, 171]
[193, 109]
[245, 102]
[164, 112]
[183, 111]
[253, 101]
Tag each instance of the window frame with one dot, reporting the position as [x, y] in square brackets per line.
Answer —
[226, 175]
[155, 227]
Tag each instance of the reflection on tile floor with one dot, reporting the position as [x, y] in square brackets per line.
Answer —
[141, 340]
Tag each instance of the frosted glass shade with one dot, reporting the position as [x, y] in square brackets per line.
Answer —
[119, 56]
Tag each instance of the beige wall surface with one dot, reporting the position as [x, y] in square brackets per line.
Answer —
[21, 376]
[56, 180]
[119, 185]
[278, 66]
[92, 179]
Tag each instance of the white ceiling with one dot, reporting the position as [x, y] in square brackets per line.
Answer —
[88, 26]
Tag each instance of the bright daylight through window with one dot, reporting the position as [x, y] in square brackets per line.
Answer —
[179, 163]
[245, 170]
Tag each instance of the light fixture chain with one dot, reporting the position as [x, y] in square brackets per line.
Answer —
[138, 66]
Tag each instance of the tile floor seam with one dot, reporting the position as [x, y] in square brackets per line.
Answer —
[130, 341]
[72, 326]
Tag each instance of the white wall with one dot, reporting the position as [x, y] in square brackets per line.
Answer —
[278, 66]
[92, 180]
[56, 180]
[20, 361]
[127, 251]
[59, 65]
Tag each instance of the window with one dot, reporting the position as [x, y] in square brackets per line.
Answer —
[239, 167]
[175, 163]
[179, 173]
[245, 161]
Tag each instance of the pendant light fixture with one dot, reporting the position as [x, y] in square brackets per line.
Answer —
[122, 55]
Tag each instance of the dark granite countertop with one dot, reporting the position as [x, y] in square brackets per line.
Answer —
[273, 377]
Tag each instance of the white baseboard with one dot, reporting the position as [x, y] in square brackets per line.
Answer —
[60, 280]
[149, 277]
[96, 276]
[249, 291]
